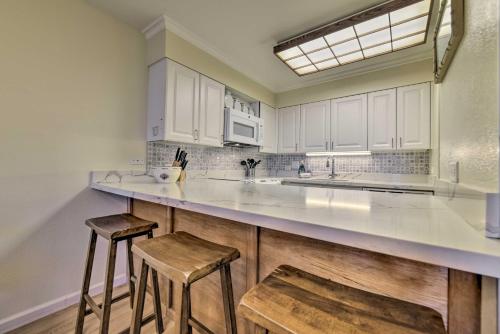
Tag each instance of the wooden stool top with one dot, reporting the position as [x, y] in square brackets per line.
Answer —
[183, 257]
[293, 301]
[120, 226]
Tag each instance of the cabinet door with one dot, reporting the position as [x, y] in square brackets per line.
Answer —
[382, 120]
[156, 101]
[289, 122]
[270, 116]
[349, 123]
[315, 127]
[182, 111]
[211, 123]
[414, 117]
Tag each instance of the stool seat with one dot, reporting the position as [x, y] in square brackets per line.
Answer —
[183, 257]
[293, 301]
[120, 226]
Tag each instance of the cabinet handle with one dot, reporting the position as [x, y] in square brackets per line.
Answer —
[296, 147]
[326, 146]
[392, 142]
[196, 134]
[332, 146]
[222, 139]
[400, 142]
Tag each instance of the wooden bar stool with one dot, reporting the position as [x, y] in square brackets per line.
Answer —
[185, 259]
[293, 301]
[115, 228]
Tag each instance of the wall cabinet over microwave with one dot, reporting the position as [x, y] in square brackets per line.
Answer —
[184, 105]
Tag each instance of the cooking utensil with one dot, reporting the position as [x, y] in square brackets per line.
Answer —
[182, 157]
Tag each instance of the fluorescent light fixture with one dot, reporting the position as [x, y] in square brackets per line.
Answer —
[389, 27]
[337, 154]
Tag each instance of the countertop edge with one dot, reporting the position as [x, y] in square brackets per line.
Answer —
[483, 264]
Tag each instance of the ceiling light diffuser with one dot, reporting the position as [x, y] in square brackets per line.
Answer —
[389, 27]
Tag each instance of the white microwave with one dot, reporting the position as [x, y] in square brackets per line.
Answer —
[242, 129]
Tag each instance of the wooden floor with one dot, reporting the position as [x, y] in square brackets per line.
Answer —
[64, 320]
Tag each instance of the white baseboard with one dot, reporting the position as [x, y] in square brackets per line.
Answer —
[45, 309]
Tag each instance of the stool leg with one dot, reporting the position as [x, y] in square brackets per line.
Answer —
[186, 309]
[157, 301]
[227, 296]
[108, 288]
[131, 285]
[86, 282]
[140, 295]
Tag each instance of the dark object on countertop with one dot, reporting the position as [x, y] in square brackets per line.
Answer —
[177, 154]
[302, 168]
[184, 164]
[290, 300]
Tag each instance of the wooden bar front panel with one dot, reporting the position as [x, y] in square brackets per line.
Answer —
[262, 250]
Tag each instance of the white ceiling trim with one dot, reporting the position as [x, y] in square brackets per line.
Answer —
[341, 73]
[165, 22]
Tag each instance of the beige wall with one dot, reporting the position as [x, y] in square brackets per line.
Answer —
[168, 44]
[382, 79]
[468, 101]
[72, 100]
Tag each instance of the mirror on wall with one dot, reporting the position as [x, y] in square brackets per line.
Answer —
[447, 36]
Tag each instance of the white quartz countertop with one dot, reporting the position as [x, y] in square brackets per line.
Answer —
[417, 227]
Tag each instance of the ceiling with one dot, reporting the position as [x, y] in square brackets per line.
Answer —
[242, 33]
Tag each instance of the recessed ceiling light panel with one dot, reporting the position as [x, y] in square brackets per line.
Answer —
[391, 26]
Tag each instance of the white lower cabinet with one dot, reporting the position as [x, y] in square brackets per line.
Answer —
[315, 127]
[184, 106]
[382, 120]
[414, 117]
[288, 129]
[349, 123]
[270, 117]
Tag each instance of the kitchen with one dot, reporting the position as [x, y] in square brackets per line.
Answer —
[352, 143]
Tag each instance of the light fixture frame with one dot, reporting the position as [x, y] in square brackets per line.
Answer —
[346, 22]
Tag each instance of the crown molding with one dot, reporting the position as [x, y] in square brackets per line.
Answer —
[344, 73]
[166, 23]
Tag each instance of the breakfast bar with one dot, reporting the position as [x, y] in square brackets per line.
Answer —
[406, 246]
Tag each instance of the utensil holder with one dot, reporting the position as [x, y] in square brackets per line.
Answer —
[183, 176]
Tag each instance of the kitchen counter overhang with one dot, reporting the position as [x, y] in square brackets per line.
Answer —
[416, 227]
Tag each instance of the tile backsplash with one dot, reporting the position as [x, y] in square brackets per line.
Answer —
[228, 158]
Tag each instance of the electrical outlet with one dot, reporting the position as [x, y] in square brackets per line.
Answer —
[453, 171]
[136, 162]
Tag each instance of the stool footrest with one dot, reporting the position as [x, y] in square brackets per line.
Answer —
[97, 308]
[200, 328]
[93, 306]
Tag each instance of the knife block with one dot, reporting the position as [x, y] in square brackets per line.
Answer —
[183, 176]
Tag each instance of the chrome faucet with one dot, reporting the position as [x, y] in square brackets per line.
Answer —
[332, 174]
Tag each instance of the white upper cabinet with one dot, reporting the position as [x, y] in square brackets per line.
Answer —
[182, 111]
[315, 127]
[382, 120]
[288, 124]
[270, 117]
[349, 123]
[211, 120]
[414, 117]
[184, 106]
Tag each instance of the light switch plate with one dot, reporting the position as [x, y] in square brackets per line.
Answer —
[453, 171]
